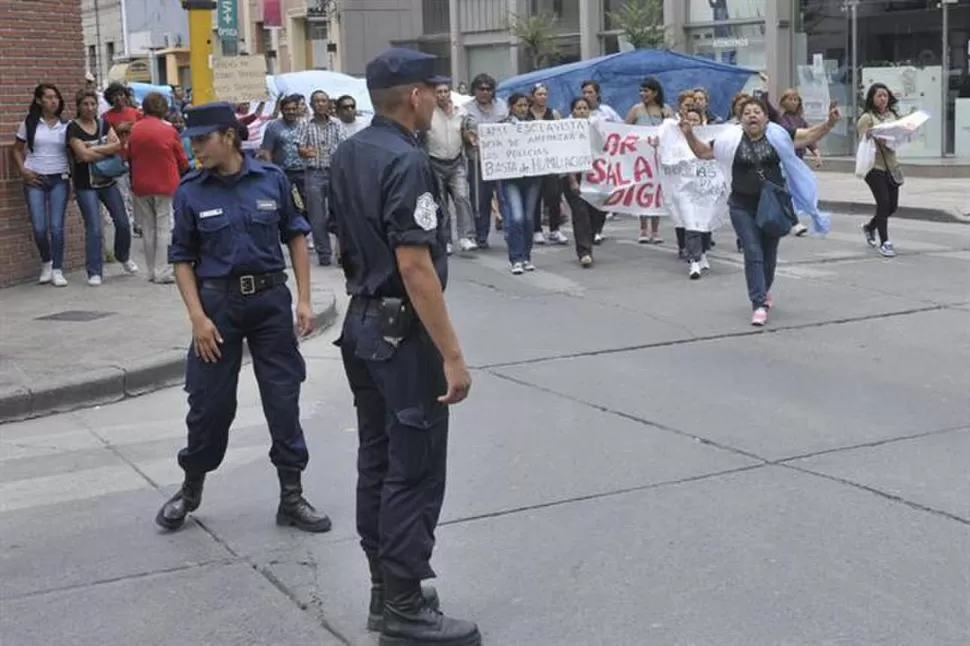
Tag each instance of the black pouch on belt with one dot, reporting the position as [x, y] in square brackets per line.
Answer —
[395, 319]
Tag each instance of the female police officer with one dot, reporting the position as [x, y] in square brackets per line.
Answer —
[230, 217]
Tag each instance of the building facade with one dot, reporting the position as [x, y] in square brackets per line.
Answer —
[136, 40]
[56, 25]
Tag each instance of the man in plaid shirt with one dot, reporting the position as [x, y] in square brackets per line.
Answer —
[317, 139]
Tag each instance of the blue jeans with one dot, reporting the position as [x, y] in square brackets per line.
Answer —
[520, 198]
[90, 201]
[760, 254]
[47, 206]
[317, 188]
[480, 194]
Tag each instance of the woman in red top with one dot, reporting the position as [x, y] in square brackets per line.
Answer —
[157, 160]
[121, 117]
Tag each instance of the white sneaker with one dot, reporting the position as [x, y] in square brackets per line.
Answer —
[467, 244]
[598, 238]
[538, 238]
[57, 277]
[705, 263]
[449, 249]
[695, 270]
[557, 237]
[94, 281]
[130, 266]
[46, 272]
[309, 243]
[517, 268]
[799, 230]
[528, 266]
[887, 249]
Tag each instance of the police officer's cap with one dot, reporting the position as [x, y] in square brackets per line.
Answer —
[210, 117]
[398, 66]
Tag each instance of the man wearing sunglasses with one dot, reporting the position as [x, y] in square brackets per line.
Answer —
[484, 109]
[347, 113]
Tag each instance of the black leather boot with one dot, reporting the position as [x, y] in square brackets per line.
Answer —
[375, 613]
[409, 621]
[187, 499]
[294, 510]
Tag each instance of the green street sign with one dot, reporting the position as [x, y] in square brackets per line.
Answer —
[228, 20]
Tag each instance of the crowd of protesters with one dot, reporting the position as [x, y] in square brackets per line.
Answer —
[126, 162]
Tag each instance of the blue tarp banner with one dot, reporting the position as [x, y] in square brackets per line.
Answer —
[619, 76]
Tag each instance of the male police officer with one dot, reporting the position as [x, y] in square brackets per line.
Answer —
[399, 349]
[230, 217]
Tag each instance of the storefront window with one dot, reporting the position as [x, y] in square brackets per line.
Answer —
[742, 45]
[899, 44]
[717, 10]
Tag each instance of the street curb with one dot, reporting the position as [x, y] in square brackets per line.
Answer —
[110, 384]
[905, 212]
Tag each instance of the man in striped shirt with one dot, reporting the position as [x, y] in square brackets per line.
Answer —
[317, 139]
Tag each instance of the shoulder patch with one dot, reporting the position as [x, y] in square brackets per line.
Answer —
[426, 212]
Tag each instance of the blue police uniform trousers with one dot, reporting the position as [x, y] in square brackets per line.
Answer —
[403, 443]
[265, 321]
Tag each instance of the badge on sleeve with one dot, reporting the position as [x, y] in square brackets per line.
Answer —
[426, 212]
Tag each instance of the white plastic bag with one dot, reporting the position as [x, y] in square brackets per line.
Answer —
[865, 157]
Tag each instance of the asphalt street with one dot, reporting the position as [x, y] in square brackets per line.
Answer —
[636, 465]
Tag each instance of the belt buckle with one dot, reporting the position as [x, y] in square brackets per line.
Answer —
[247, 285]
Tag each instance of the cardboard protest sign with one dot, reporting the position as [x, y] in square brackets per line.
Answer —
[239, 79]
[534, 148]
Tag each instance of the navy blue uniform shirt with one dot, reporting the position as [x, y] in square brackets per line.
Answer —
[233, 225]
[383, 195]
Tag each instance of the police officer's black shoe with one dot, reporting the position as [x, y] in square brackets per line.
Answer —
[187, 499]
[375, 614]
[410, 621]
[294, 510]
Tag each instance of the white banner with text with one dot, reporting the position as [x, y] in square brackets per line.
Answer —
[534, 148]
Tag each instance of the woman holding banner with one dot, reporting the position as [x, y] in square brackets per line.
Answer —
[586, 219]
[651, 111]
[551, 186]
[520, 197]
[885, 177]
[752, 157]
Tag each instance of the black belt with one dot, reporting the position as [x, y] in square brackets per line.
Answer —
[365, 305]
[246, 285]
[454, 160]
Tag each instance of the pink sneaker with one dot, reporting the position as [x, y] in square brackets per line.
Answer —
[769, 300]
[760, 317]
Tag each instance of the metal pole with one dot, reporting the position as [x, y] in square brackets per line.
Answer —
[98, 74]
[854, 17]
[945, 73]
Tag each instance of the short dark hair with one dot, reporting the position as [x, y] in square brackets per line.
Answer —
[316, 92]
[483, 79]
[113, 90]
[155, 105]
[591, 83]
[751, 100]
[515, 97]
[576, 101]
[290, 99]
[346, 97]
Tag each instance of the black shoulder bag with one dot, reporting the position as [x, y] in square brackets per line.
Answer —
[776, 212]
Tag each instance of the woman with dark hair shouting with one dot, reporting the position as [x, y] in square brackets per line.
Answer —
[885, 178]
[40, 152]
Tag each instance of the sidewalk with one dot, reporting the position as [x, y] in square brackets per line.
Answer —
[77, 346]
[920, 198]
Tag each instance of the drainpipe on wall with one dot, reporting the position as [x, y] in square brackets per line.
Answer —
[124, 28]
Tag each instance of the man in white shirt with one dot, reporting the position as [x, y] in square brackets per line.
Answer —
[346, 111]
[445, 142]
[485, 108]
[591, 92]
